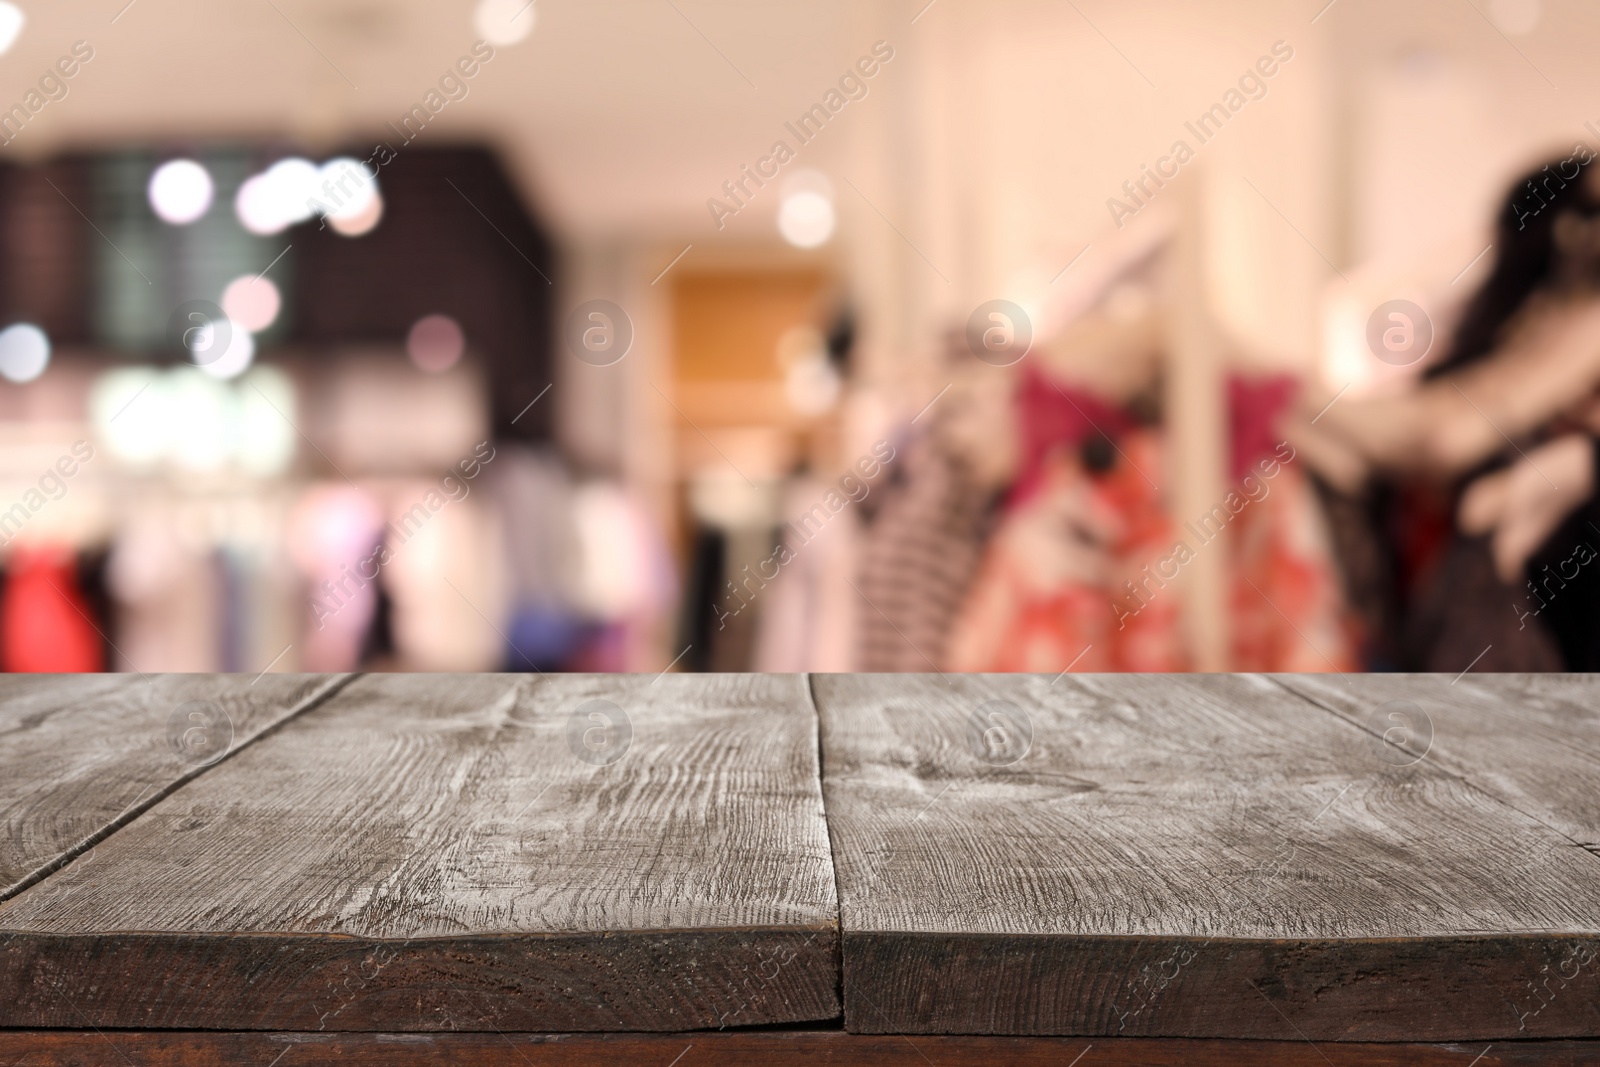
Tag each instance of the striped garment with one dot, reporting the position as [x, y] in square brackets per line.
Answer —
[919, 556]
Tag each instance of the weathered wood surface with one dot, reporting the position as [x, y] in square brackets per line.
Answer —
[82, 754]
[1167, 856]
[1532, 740]
[1184, 856]
[769, 1048]
[462, 853]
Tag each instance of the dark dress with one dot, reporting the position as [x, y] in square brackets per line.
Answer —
[1429, 598]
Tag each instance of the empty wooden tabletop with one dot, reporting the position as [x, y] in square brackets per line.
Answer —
[1185, 855]
[1378, 858]
[463, 852]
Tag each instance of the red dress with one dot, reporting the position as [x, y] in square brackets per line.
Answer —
[1080, 571]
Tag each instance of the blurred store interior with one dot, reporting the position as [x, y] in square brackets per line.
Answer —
[701, 335]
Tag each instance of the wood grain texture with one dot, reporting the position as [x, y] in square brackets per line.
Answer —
[79, 754]
[769, 1048]
[1203, 856]
[1532, 740]
[431, 853]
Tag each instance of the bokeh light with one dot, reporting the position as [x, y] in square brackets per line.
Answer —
[131, 414]
[24, 352]
[252, 302]
[345, 187]
[265, 442]
[356, 225]
[180, 191]
[239, 354]
[278, 198]
[202, 430]
[145, 417]
[435, 343]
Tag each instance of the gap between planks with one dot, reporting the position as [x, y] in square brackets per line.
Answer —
[827, 825]
[144, 804]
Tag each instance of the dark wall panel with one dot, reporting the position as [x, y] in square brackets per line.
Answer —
[456, 239]
[44, 249]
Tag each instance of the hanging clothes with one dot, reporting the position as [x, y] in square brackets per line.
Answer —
[446, 583]
[1082, 566]
[162, 581]
[1465, 616]
[810, 612]
[1455, 610]
[532, 496]
[1083, 522]
[626, 584]
[703, 592]
[918, 558]
[334, 534]
[1287, 609]
[1561, 569]
[1052, 416]
[44, 618]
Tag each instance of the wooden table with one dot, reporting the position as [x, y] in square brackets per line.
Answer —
[828, 869]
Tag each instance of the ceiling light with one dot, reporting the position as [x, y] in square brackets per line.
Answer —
[11, 22]
[806, 219]
[504, 22]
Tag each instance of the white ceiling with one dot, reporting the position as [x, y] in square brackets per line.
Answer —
[622, 117]
[619, 115]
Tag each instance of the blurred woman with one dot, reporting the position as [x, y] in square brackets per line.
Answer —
[1499, 441]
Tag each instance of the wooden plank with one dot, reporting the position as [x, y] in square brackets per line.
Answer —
[1202, 856]
[731, 1048]
[464, 852]
[1532, 740]
[82, 754]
